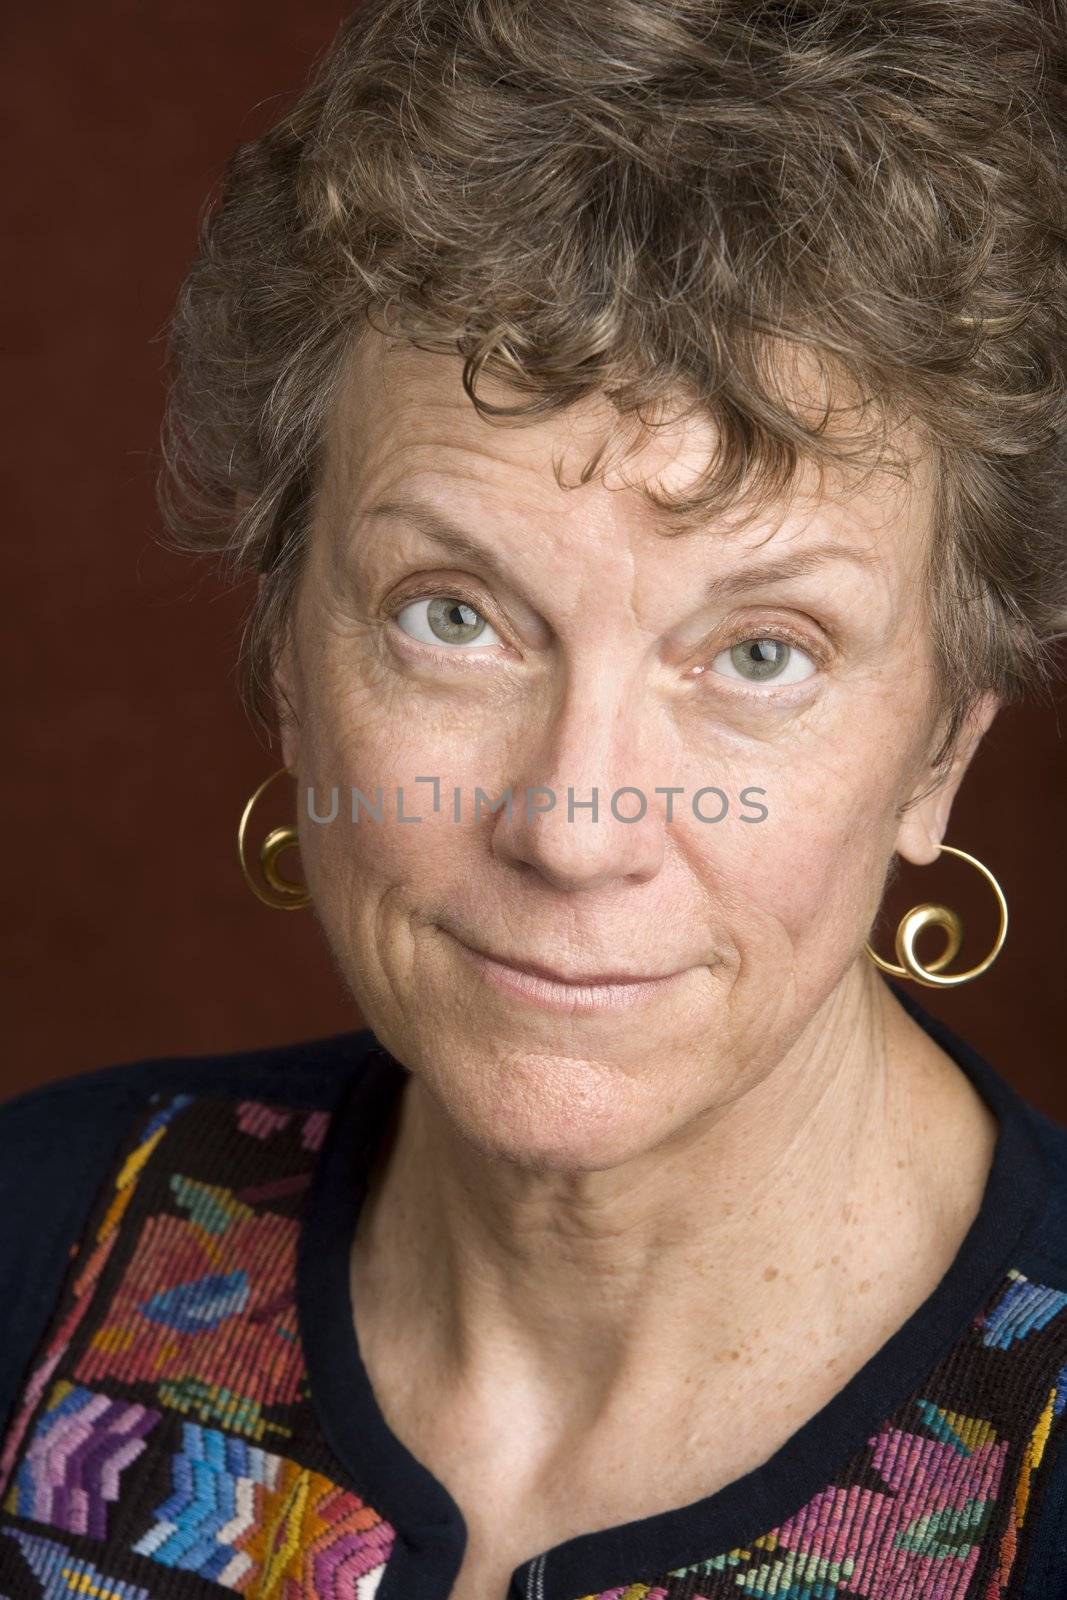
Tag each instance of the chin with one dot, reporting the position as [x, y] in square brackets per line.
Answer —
[543, 1111]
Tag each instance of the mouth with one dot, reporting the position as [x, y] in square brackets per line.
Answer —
[554, 991]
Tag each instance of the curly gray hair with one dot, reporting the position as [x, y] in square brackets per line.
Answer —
[655, 199]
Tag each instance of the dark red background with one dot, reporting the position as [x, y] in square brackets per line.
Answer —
[129, 930]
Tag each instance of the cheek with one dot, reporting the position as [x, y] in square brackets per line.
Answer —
[808, 877]
[372, 725]
[402, 766]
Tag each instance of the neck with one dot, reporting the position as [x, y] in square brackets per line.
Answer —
[804, 1194]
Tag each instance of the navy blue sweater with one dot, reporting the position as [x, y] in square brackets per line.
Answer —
[184, 1410]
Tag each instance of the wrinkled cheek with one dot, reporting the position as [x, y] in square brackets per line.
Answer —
[390, 838]
[370, 738]
[800, 890]
[371, 857]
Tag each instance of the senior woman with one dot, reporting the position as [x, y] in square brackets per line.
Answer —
[646, 419]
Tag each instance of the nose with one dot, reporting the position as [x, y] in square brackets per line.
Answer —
[592, 742]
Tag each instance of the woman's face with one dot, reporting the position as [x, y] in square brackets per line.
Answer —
[463, 618]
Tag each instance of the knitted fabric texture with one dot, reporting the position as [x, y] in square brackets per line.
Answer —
[166, 1439]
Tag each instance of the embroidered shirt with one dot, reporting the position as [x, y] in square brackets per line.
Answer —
[184, 1412]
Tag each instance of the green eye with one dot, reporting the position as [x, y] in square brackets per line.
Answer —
[445, 619]
[764, 661]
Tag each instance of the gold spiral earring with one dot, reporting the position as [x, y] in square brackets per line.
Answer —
[929, 916]
[283, 894]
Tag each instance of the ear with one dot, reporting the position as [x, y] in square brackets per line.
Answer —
[286, 702]
[924, 824]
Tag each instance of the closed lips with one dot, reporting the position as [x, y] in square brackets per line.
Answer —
[536, 970]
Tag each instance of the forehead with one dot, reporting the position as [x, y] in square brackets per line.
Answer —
[403, 412]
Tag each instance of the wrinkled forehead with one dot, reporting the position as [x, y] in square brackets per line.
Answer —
[403, 411]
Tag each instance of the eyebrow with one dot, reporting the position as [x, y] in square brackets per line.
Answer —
[434, 525]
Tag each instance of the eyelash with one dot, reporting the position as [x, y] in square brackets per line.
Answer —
[819, 654]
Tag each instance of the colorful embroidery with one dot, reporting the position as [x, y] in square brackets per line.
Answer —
[62, 1574]
[72, 1468]
[1022, 1308]
[167, 1422]
[190, 1358]
[192, 1286]
[262, 1121]
[85, 1280]
[259, 1524]
[914, 1515]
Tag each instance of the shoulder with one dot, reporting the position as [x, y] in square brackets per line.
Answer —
[310, 1068]
[59, 1142]
[1047, 1251]
[55, 1140]
[1037, 1309]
